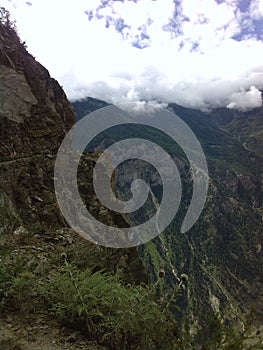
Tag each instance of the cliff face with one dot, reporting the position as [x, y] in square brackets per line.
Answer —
[34, 117]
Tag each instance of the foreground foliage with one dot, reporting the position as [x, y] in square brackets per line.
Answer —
[103, 305]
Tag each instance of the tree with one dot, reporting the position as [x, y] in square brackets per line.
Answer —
[5, 19]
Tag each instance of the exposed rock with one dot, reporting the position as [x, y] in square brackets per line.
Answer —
[34, 117]
[16, 98]
[20, 231]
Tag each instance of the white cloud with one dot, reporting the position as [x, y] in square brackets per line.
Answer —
[195, 63]
[256, 9]
[145, 107]
[246, 99]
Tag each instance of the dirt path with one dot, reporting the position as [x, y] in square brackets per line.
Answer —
[24, 159]
[40, 334]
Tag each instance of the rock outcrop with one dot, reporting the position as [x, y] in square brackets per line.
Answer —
[34, 117]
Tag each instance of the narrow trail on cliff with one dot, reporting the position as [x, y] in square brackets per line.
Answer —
[25, 159]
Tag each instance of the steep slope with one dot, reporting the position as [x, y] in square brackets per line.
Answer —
[40, 257]
[35, 116]
[217, 265]
[245, 126]
[222, 254]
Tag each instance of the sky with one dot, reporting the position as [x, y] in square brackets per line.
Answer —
[199, 53]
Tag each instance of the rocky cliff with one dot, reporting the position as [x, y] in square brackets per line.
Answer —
[34, 117]
[35, 243]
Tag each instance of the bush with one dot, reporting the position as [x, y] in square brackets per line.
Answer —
[9, 220]
[122, 317]
[17, 288]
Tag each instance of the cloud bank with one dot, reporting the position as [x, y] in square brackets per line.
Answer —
[198, 54]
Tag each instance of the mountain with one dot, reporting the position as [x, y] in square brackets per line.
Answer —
[216, 267]
[35, 115]
[245, 126]
[58, 290]
[200, 290]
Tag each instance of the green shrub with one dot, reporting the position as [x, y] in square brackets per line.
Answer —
[17, 288]
[122, 317]
[9, 220]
